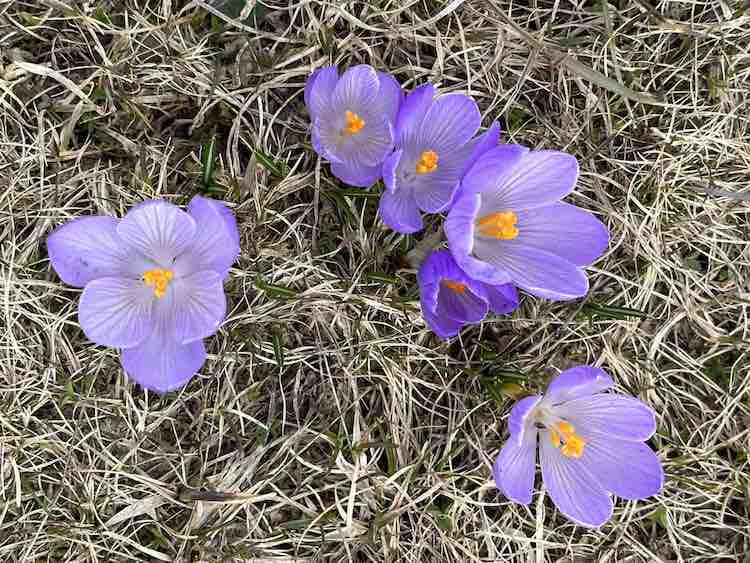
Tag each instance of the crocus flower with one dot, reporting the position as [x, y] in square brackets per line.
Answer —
[353, 118]
[591, 444]
[508, 225]
[450, 299]
[153, 283]
[433, 149]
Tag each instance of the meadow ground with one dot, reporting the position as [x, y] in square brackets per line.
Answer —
[328, 424]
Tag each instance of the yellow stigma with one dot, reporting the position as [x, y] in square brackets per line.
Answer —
[354, 123]
[159, 280]
[428, 162]
[501, 225]
[564, 433]
[458, 287]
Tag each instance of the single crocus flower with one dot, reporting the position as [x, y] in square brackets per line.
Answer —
[508, 225]
[591, 444]
[153, 283]
[450, 299]
[434, 147]
[353, 118]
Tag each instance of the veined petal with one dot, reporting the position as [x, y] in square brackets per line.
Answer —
[89, 248]
[537, 179]
[390, 164]
[519, 422]
[116, 311]
[217, 241]
[538, 272]
[630, 470]
[391, 96]
[412, 114]
[616, 416]
[503, 298]
[159, 230]
[319, 137]
[579, 381]
[434, 191]
[450, 122]
[192, 308]
[515, 467]
[161, 364]
[444, 327]
[465, 307]
[490, 167]
[400, 212]
[356, 174]
[482, 144]
[357, 90]
[573, 488]
[319, 90]
[564, 230]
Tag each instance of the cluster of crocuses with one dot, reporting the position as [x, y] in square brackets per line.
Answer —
[505, 224]
[153, 280]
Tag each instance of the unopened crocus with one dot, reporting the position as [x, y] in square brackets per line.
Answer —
[509, 225]
[450, 299]
[153, 283]
[434, 146]
[353, 118]
[591, 445]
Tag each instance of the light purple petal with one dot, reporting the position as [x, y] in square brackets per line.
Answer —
[319, 90]
[428, 280]
[390, 164]
[519, 421]
[450, 122]
[88, 248]
[482, 144]
[356, 174]
[391, 96]
[616, 416]
[503, 298]
[444, 327]
[539, 178]
[459, 229]
[434, 191]
[193, 307]
[412, 113]
[159, 230]
[357, 90]
[217, 241]
[564, 230]
[160, 364]
[116, 311]
[630, 470]
[575, 382]
[538, 272]
[490, 167]
[465, 307]
[515, 468]
[318, 145]
[572, 486]
[400, 212]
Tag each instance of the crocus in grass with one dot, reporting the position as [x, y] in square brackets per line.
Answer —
[353, 117]
[433, 148]
[509, 225]
[591, 444]
[153, 283]
[450, 299]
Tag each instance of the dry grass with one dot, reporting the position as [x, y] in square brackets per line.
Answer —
[328, 424]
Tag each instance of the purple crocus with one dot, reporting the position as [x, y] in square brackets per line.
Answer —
[433, 148]
[353, 118]
[591, 444]
[153, 283]
[450, 299]
[508, 225]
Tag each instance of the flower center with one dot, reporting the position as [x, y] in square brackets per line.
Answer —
[564, 433]
[158, 279]
[457, 287]
[354, 123]
[428, 162]
[500, 225]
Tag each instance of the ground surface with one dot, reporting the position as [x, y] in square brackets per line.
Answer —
[328, 424]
